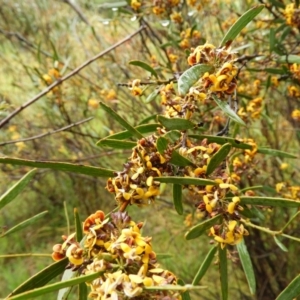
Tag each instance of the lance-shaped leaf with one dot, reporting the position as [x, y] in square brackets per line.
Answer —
[17, 188]
[269, 201]
[292, 59]
[227, 110]
[179, 160]
[280, 244]
[116, 144]
[221, 140]
[201, 228]
[247, 265]
[42, 277]
[162, 144]
[152, 96]
[24, 224]
[185, 180]
[241, 23]
[292, 291]
[172, 287]
[121, 121]
[275, 152]
[218, 158]
[205, 265]
[191, 76]
[177, 198]
[78, 225]
[145, 128]
[144, 66]
[60, 166]
[185, 295]
[83, 291]
[55, 286]
[173, 135]
[223, 272]
[175, 123]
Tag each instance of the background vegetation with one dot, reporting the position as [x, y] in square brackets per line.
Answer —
[41, 41]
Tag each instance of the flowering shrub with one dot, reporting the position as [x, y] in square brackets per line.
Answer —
[196, 145]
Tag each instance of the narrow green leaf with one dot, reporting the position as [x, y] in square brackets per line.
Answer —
[116, 144]
[172, 287]
[241, 23]
[24, 224]
[87, 170]
[16, 189]
[175, 123]
[144, 66]
[191, 76]
[247, 266]
[177, 198]
[275, 71]
[221, 140]
[227, 110]
[65, 292]
[152, 96]
[121, 121]
[162, 144]
[185, 295]
[145, 128]
[78, 225]
[114, 4]
[146, 120]
[280, 244]
[272, 39]
[218, 158]
[290, 220]
[179, 160]
[223, 272]
[291, 59]
[275, 152]
[55, 286]
[82, 291]
[205, 265]
[173, 135]
[42, 277]
[55, 56]
[292, 291]
[186, 180]
[199, 229]
[251, 188]
[269, 201]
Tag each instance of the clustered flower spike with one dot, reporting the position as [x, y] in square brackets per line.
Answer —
[125, 259]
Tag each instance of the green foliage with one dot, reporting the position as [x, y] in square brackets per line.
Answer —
[223, 181]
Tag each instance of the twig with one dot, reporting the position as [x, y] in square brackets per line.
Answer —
[61, 80]
[9, 34]
[78, 11]
[47, 133]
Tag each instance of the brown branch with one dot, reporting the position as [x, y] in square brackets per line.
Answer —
[47, 133]
[78, 11]
[61, 80]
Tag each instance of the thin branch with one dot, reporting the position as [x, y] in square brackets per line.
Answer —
[78, 11]
[47, 133]
[21, 38]
[61, 80]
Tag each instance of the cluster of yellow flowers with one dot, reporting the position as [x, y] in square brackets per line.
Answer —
[252, 110]
[292, 15]
[288, 191]
[127, 264]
